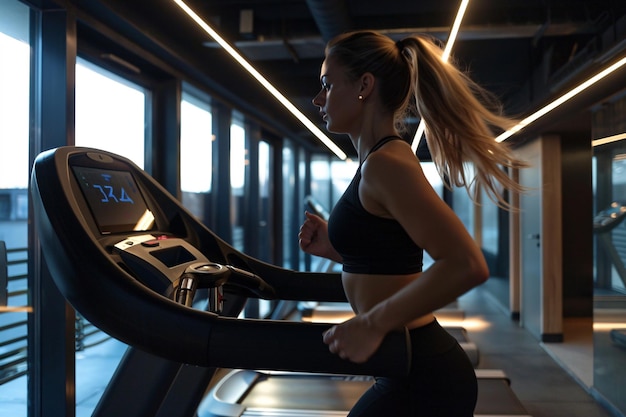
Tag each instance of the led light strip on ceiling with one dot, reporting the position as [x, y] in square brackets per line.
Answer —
[608, 139]
[263, 81]
[559, 101]
[446, 54]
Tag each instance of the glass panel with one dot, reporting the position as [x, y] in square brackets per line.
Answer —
[618, 234]
[110, 112]
[266, 221]
[14, 144]
[196, 155]
[238, 170]
[302, 181]
[495, 246]
[322, 187]
[320, 180]
[289, 189]
[101, 98]
[609, 225]
[489, 213]
[609, 180]
[265, 238]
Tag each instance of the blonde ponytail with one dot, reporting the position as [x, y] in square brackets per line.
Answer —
[461, 118]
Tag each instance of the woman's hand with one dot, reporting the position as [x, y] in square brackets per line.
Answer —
[313, 238]
[355, 340]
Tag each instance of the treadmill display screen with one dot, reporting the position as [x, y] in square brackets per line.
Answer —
[114, 199]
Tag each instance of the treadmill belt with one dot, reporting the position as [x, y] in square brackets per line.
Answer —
[496, 398]
[303, 395]
[307, 392]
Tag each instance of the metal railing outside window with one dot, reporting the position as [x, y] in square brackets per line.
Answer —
[13, 329]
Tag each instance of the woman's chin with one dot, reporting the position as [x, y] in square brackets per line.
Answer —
[330, 128]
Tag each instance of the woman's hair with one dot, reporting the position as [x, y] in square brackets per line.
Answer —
[461, 118]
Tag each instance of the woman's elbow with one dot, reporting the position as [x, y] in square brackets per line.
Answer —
[479, 271]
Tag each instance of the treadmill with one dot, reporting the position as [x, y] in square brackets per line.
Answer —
[603, 224]
[135, 263]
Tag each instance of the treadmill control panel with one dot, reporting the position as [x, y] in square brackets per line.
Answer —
[114, 199]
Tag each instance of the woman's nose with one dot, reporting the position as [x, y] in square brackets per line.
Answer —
[317, 100]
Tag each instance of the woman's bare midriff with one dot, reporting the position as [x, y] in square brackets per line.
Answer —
[364, 291]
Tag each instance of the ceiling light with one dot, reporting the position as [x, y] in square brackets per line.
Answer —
[565, 97]
[608, 139]
[446, 54]
[263, 81]
[455, 30]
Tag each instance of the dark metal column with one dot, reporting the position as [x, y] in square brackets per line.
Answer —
[165, 143]
[51, 360]
[220, 216]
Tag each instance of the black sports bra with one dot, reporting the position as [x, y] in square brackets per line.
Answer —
[370, 244]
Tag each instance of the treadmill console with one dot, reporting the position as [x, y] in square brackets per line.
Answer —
[114, 199]
[126, 224]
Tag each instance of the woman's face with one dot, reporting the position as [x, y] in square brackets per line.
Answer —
[338, 100]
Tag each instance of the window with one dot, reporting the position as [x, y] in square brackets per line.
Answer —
[15, 63]
[264, 236]
[196, 153]
[110, 116]
[238, 172]
[289, 219]
[110, 112]
[14, 96]
[321, 180]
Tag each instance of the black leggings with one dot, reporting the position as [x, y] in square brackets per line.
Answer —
[442, 381]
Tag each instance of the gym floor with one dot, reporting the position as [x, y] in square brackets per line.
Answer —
[543, 385]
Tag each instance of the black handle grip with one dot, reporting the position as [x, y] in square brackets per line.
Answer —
[294, 346]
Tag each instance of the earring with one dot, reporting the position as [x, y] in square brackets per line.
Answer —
[360, 97]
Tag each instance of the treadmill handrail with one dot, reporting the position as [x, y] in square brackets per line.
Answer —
[113, 300]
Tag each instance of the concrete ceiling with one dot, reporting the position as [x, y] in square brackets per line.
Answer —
[512, 47]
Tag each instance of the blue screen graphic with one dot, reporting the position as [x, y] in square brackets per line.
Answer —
[114, 200]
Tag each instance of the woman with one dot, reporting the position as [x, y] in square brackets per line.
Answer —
[389, 213]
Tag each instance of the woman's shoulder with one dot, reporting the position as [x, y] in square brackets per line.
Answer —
[393, 182]
[393, 167]
[393, 157]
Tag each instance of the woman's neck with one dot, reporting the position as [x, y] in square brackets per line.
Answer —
[365, 143]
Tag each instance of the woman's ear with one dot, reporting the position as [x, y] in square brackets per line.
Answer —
[367, 84]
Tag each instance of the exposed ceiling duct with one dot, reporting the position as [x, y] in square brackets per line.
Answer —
[331, 16]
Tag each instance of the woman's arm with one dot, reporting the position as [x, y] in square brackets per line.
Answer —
[313, 238]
